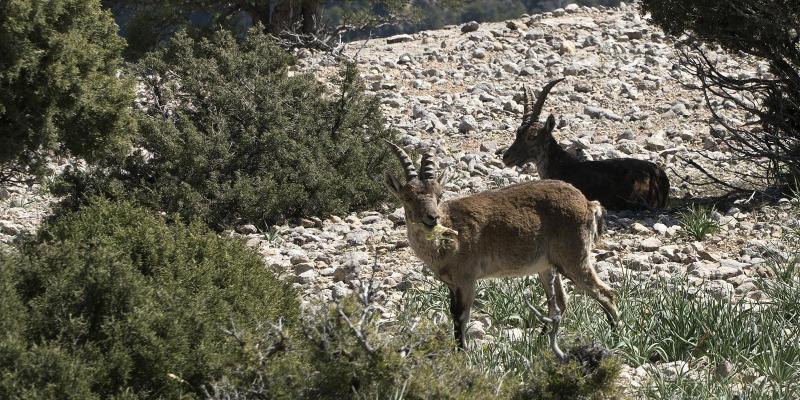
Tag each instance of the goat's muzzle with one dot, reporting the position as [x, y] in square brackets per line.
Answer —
[430, 221]
[509, 160]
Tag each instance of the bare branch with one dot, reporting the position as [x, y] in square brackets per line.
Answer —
[710, 175]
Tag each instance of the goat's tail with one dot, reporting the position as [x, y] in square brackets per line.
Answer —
[664, 188]
[598, 222]
[658, 194]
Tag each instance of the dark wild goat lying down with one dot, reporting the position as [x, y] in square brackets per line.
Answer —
[618, 184]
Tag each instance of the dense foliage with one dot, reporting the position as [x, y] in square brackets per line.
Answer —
[768, 30]
[112, 302]
[230, 136]
[334, 361]
[60, 89]
[345, 352]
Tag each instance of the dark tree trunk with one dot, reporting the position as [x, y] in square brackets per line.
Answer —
[281, 15]
[310, 13]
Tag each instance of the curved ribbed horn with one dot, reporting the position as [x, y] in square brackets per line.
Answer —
[428, 165]
[527, 102]
[537, 108]
[405, 160]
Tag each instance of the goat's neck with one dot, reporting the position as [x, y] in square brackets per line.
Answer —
[551, 159]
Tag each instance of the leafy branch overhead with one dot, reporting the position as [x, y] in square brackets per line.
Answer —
[768, 30]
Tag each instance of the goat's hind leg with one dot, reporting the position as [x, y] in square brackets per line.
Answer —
[561, 300]
[561, 294]
[590, 283]
[548, 280]
[586, 280]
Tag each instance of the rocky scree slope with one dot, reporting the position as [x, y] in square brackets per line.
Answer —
[460, 92]
[458, 89]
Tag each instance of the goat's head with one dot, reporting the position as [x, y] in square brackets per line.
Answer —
[420, 194]
[532, 135]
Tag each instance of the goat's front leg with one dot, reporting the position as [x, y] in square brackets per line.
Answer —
[461, 299]
[548, 280]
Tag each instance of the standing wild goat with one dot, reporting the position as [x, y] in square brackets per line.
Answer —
[529, 228]
[619, 183]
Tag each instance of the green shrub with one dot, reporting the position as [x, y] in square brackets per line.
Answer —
[114, 302]
[594, 379]
[337, 360]
[231, 136]
[59, 90]
[10, 304]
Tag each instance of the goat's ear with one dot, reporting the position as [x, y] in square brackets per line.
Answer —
[392, 183]
[550, 123]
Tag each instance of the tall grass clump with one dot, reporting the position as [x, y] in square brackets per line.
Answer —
[346, 350]
[698, 222]
[514, 345]
[663, 322]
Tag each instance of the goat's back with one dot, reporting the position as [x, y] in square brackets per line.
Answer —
[621, 183]
[515, 225]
